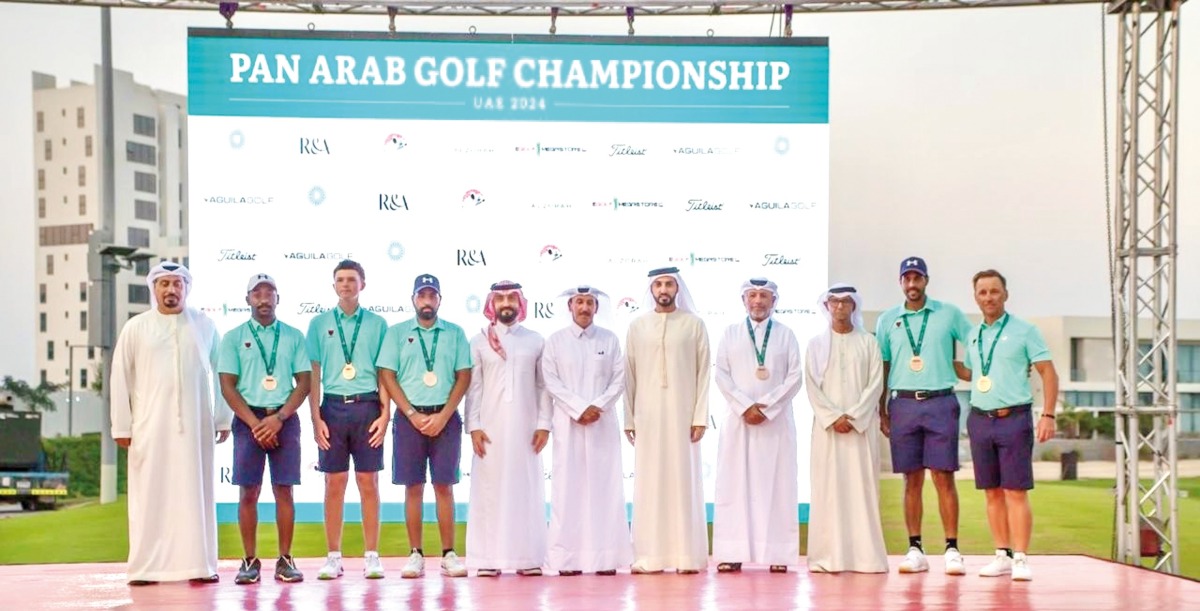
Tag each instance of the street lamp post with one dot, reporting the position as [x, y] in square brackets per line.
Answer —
[71, 386]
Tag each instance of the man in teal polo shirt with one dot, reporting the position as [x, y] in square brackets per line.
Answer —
[349, 412]
[265, 377]
[918, 411]
[425, 364]
[999, 355]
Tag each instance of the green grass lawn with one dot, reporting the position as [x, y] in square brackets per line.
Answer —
[1069, 518]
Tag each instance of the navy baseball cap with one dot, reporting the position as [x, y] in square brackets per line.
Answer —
[426, 281]
[914, 264]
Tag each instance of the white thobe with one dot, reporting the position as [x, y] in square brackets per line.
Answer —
[755, 515]
[666, 394]
[506, 518]
[165, 399]
[589, 530]
[845, 532]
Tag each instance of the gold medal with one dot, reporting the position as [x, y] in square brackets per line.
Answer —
[916, 364]
[762, 373]
[983, 384]
[269, 383]
[430, 378]
[348, 371]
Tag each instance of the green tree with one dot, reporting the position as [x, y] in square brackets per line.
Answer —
[37, 397]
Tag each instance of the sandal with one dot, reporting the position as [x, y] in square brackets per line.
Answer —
[729, 567]
[778, 568]
[569, 573]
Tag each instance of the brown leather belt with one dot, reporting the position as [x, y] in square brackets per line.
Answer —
[1003, 412]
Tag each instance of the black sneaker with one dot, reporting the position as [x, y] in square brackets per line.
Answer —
[248, 573]
[286, 571]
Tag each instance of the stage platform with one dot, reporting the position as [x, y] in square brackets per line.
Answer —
[1060, 582]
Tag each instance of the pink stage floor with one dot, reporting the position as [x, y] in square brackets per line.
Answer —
[1060, 582]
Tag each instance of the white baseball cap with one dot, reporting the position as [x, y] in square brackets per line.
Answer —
[258, 279]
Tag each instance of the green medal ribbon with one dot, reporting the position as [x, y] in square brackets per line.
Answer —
[916, 346]
[270, 363]
[986, 365]
[429, 355]
[349, 352]
[761, 355]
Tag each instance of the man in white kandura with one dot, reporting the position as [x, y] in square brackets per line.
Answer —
[167, 411]
[844, 371]
[758, 372]
[508, 418]
[585, 376]
[666, 412]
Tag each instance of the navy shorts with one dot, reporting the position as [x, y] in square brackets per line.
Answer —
[249, 458]
[349, 435]
[412, 451]
[924, 433]
[1002, 449]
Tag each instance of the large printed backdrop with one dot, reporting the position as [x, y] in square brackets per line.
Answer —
[553, 162]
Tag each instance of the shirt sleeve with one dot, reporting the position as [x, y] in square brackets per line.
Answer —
[962, 327]
[1035, 346]
[969, 352]
[313, 341]
[300, 360]
[462, 353]
[227, 357]
[389, 352]
[883, 336]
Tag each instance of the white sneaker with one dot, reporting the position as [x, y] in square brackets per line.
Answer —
[954, 562]
[373, 568]
[914, 561]
[415, 567]
[1020, 568]
[1000, 565]
[452, 566]
[332, 569]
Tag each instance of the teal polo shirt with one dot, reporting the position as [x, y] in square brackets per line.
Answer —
[402, 353]
[240, 355]
[325, 348]
[947, 324]
[1021, 345]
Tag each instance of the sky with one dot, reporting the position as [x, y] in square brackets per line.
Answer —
[972, 137]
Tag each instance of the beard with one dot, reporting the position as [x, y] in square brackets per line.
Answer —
[507, 316]
[427, 313]
[171, 301]
[666, 299]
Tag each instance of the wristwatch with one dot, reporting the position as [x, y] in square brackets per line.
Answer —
[410, 412]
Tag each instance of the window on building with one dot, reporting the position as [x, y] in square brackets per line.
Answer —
[41, 121]
[145, 210]
[83, 176]
[185, 262]
[139, 293]
[79, 117]
[41, 293]
[83, 292]
[41, 180]
[144, 126]
[138, 237]
[83, 378]
[61, 235]
[43, 377]
[83, 320]
[41, 207]
[49, 265]
[48, 149]
[87, 146]
[82, 204]
[91, 353]
[42, 322]
[141, 153]
[141, 267]
[50, 350]
[145, 182]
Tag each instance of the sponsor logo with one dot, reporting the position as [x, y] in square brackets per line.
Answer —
[551, 206]
[471, 150]
[316, 196]
[778, 259]
[394, 142]
[549, 254]
[389, 309]
[627, 305]
[627, 260]
[703, 205]
[783, 205]
[543, 309]
[470, 258]
[625, 150]
[317, 256]
[693, 259]
[225, 309]
[395, 251]
[472, 198]
[236, 139]
[474, 304]
[311, 307]
[239, 199]
[392, 202]
[314, 146]
[539, 148]
[233, 254]
[618, 204]
[794, 311]
[706, 150]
